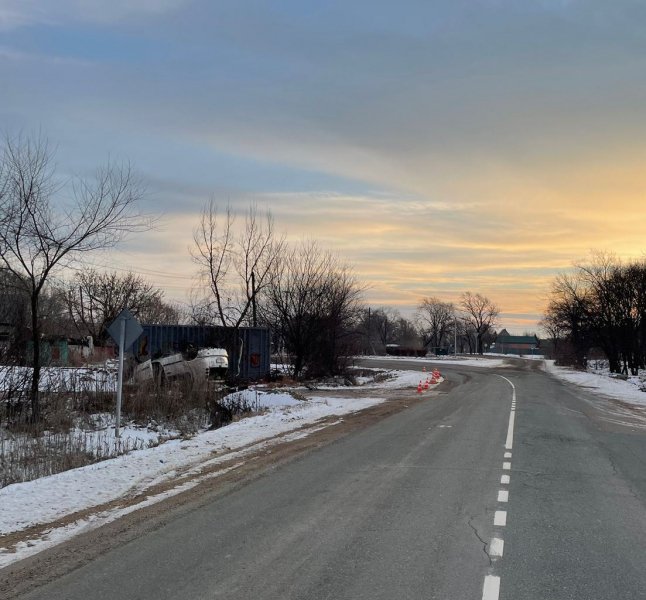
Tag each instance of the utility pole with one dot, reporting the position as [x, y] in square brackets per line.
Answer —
[253, 298]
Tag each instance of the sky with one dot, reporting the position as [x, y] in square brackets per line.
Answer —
[437, 146]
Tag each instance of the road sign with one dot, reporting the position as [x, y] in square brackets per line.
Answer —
[133, 328]
[124, 330]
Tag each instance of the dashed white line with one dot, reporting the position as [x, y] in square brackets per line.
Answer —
[496, 547]
[510, 430]
[491, 589]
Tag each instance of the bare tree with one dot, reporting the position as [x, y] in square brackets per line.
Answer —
[569, 309]
[554, 329]
[161, 312]
[235, 264]
[406, 333]
[481, 314]
[313, 304]
[378, 327]
[602, 305]
[95, 299]
[384, 325]
[43, 223]
[608, 309]
[463, 336]
[200, 309]
[436, 320]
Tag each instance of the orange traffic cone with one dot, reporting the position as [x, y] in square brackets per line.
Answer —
[433, 380]
[424, 369]
[419, 387]
[426, 384]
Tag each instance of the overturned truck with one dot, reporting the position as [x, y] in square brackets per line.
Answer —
[200, 353]
[193, 365]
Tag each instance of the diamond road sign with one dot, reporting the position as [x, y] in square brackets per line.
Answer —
[133, 328]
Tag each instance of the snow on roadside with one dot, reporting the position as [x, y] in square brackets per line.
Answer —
[51, 498]
[413, 378]
[432, 362]
[60, 379]
[601, 383]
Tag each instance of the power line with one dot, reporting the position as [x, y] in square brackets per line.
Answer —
[138, 271]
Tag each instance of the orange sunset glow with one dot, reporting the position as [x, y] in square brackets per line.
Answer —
[438, 149]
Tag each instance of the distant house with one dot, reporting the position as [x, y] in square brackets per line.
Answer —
[54, 351]
[515, 344]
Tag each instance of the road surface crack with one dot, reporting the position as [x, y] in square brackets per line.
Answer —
[485, 546]
[619, 474]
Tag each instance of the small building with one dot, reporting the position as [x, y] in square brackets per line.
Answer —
[54, 351]
[515, 344]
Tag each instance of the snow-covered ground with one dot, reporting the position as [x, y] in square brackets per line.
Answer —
[59, 379]
[485, 362]
[600, 382]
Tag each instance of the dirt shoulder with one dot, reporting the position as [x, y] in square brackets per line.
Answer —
[32, 572]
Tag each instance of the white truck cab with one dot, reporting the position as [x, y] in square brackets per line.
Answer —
[198, 366]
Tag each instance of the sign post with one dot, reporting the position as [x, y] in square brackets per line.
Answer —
[124, 330]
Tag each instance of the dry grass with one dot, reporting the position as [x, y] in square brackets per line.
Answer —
[69, 435]
[25, 457]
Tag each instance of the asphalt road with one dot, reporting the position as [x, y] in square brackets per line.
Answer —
[408, 508]
[577, 506]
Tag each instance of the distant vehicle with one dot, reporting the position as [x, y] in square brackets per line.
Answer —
[196, 366]
[397, 350]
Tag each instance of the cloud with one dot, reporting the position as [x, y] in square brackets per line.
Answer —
[24, 13]
[18, 56]
[444, 147]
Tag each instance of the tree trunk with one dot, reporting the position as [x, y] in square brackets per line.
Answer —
[36, 366]
[298, 365]
[614, 362]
